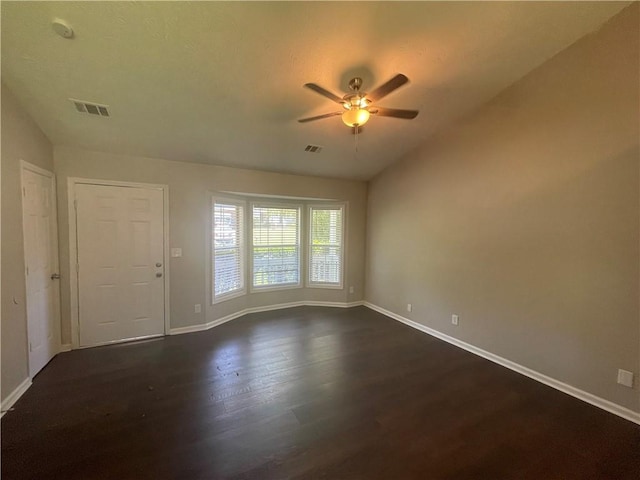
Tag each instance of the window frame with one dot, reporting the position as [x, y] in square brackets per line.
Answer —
[216, 299]
[326, 206]
[265, 203]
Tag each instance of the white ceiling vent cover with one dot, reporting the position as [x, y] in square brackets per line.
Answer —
[91, 108]
[313, 149]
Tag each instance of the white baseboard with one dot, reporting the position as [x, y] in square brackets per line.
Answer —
[333, 304]
[65, 347]
[13, 397]
[189, 329]
[208, 325]
[267, 308]
[540, 377]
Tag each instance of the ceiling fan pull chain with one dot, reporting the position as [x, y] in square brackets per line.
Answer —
[356, 137]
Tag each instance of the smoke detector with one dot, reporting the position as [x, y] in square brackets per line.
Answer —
[62, 28]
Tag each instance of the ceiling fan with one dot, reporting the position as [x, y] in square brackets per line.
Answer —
[357, 106]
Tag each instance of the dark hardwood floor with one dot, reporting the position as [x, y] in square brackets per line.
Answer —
[304, 393]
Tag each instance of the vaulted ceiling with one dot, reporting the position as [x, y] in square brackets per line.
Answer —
[222, 82]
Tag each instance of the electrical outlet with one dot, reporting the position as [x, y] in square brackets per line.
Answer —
[197, 308]
[454, 319]
[625, 378]
[351, 289]
[409, 307]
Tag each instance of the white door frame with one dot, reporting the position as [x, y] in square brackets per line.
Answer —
[24, 166]
[73, 249]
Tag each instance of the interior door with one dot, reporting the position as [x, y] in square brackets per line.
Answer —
[39, 224]
[120, 244]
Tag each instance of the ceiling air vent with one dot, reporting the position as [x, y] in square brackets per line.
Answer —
[91, 108]
[313, 149]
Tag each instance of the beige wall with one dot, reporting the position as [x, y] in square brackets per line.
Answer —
[21, 140]
[190, 189]
[523, 218]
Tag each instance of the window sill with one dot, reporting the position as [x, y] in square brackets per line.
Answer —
[275, 288]
[229, 296]
[329, 286]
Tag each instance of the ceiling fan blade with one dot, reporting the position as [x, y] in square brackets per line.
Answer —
[394, 112]
[324, 93]
[318, 117]
[386, 88]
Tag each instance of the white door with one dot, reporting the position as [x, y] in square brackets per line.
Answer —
[39, 225]
[120, 244]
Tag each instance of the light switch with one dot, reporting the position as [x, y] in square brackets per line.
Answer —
[625, 378]
[176, 252]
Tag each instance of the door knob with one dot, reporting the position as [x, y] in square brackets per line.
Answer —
[55, 276]
[158, 274]
[158, 264]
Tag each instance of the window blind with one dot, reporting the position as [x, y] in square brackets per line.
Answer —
[276, 246]
[325, 246]
[228, 248]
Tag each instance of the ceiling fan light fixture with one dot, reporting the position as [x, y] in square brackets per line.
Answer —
[355, 117]
[356, 104]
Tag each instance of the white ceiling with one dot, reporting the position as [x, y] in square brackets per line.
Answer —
[221, 83]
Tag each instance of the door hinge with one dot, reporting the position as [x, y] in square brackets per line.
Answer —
[75, 204]
[77, 267]
[24, 192]
[30, 347]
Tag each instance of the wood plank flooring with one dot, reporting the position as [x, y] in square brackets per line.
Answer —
[304, 393]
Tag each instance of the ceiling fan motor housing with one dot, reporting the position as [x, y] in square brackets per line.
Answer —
[355, 84]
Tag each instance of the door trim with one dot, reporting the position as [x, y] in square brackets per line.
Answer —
[26, 166]
[73, 250]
